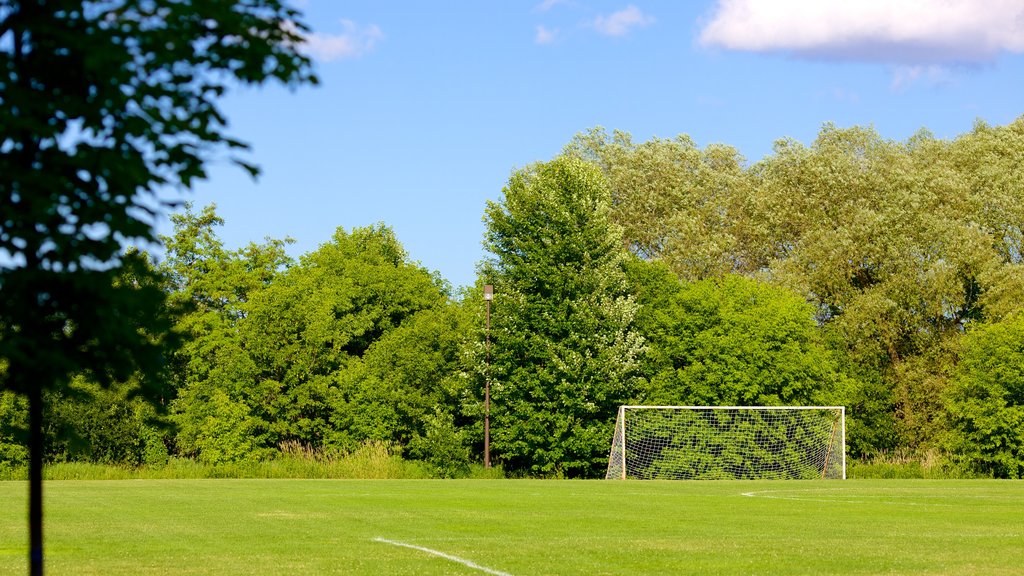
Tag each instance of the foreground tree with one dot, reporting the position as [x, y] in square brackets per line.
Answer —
[104, 103]
[564, 352]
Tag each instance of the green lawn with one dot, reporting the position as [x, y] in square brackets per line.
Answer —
[520, 527]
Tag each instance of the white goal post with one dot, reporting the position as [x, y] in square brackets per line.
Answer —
[728, 442]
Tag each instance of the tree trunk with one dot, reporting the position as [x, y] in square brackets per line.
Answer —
[35, 478]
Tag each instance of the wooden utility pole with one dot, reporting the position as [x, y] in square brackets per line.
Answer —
[488, 296]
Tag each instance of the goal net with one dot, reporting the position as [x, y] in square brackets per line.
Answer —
[728, 442]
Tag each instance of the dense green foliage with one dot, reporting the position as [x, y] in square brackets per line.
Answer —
[987, 400]
[13, 423]
[88, 423]
[351, 344]
[899, 247]
[883, 276]
[730, 341]
[565, 354]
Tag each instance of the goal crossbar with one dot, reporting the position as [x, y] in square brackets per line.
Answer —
[717, 442]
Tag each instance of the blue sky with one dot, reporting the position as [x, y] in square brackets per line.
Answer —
[426, 108]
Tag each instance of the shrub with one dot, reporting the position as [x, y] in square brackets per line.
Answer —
[442, 446]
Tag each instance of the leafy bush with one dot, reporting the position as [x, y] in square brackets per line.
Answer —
[13, 423]
[90, 423]
[154, 449]
[442, 446]
[217, 429]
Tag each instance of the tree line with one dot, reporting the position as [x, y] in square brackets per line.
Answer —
[882, 275]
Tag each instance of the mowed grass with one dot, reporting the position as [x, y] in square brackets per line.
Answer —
[520, 527]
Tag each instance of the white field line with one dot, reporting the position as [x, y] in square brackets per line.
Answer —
[462, 561]
[773, 495]
[770, 494]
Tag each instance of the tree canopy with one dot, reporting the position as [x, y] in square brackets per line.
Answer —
[104, 105]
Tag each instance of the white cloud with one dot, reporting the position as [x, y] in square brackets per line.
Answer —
[353, 42]
[545, 35]
[622, 22]
[904, 76]
[548, 5]
[906, 32]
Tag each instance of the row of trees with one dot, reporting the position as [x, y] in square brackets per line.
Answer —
[884, 276]
[909, 253]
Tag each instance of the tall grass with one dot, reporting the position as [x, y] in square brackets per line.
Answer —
[907, 464]
[373, 460]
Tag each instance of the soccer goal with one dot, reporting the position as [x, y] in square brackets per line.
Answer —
[728, 442]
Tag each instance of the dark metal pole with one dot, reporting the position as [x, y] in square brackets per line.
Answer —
[488, 296]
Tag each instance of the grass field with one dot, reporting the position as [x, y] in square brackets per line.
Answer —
[520, 527]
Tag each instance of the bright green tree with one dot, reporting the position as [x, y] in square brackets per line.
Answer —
[564, 351]
[307, 334]
[352, 343]
[409, 389]
[104, 104]
[986, 400]
[213, 374]
[731, 341]
[900, 246]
